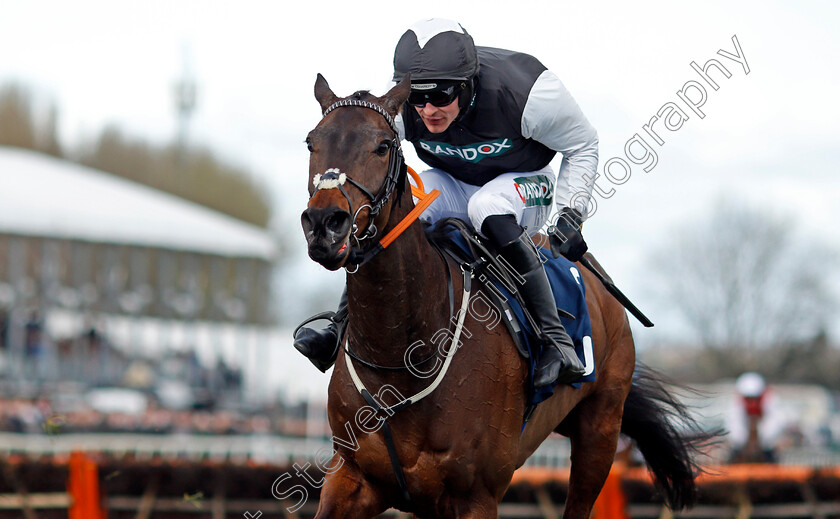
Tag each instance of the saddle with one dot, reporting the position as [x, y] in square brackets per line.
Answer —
[458, 240]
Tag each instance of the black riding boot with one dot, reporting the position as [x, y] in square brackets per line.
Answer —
[558, 360]
[321, 346]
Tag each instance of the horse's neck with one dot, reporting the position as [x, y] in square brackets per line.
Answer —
[398, 297]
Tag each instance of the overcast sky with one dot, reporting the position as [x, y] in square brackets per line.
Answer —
[768, 137]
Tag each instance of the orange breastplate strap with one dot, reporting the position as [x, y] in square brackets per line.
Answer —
[424, 200]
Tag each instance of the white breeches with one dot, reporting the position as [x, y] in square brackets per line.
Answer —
[528, 196]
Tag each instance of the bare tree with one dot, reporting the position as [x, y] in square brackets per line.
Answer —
[748, 284]
[16, 125]
[195, 173]
[22, 127]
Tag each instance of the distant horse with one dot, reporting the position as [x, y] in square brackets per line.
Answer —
[451, 452]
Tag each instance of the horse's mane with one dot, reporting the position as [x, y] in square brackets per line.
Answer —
[362, 95]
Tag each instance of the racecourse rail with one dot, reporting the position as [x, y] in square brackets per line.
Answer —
[553, 453]
[810, 488]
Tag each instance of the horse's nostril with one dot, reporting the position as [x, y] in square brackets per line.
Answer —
[337, 222]
[331, 224]
[306, 222]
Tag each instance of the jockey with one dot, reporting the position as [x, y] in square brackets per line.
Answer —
[488, 121]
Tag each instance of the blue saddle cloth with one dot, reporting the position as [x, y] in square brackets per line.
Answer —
[570, 296]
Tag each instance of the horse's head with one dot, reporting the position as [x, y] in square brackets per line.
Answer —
[354, 168]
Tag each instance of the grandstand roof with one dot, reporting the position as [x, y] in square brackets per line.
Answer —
[48, 197]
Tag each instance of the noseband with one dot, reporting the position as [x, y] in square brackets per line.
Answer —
[335, 179]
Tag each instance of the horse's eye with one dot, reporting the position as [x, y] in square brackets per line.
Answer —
[309, 145]
[383, 148]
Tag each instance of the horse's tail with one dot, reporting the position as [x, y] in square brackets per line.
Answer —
[667, 436]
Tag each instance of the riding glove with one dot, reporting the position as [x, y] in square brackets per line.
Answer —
[565, 237]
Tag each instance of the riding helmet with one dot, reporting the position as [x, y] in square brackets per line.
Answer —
[437, 49]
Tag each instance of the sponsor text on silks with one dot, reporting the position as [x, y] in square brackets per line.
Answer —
[535, 190]
[471, 152]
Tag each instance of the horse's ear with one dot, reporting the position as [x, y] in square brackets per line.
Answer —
[397, 96]
[323, 93]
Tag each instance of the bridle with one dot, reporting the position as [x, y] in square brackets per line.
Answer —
[333, 178]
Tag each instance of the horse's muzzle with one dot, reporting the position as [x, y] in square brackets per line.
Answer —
[327, 235]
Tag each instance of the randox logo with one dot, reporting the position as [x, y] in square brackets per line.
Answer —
[472, 152]
[535, 190]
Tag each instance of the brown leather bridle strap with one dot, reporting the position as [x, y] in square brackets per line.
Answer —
[396, 171]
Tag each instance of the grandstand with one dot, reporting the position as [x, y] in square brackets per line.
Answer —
[97, 272]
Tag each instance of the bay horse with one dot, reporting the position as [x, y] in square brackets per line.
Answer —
[453, 452]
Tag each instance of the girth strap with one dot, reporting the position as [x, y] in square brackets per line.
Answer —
[383, 415]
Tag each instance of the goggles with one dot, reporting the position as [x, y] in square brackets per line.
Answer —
[437, 94]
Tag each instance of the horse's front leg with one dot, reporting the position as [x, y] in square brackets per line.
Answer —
[486, 508]
[346, 494]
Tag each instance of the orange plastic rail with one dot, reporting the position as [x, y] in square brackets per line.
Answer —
[83, 487]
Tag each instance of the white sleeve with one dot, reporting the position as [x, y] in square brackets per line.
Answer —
[398, 122]
[553, 118]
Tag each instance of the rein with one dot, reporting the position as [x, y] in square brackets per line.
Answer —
[359, 257]
[333, 178]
